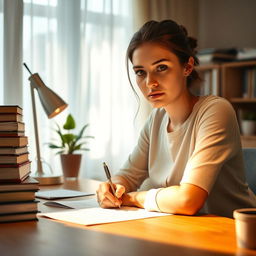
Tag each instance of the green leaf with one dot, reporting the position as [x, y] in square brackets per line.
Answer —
[70, 123]
[69, 142]
[68, 138]
[85, 149]
[54, 146]
[82, 132]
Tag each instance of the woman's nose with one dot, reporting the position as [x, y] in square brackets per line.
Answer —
[151, 82]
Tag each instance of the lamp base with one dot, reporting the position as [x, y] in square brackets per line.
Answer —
[49, 180]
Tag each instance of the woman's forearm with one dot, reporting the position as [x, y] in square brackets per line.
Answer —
[184, 199]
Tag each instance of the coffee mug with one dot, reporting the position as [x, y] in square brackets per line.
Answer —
[245, 222]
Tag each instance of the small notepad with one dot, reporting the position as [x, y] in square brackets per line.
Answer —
[60, 193]
[74, 204]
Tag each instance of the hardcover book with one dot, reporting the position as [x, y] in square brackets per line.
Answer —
[13, 159]
[16, 196]
[8, 117]
[12, 126]
[18, 217]
[14, 172]
[11, 133]
[28, 184]
[10, 109]
[13, 150]
[18, 207]
[19, 141]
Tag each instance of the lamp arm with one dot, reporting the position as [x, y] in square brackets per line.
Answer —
[39, 162]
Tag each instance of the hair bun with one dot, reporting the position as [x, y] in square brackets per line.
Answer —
[184, 30]
[192, 42]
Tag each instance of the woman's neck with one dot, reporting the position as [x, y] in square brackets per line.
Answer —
[180, 110]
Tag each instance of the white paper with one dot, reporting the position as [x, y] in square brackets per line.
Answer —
[77, 204]
[60, 193]
[92, 216]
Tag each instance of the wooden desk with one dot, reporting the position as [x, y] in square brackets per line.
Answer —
[169, 235]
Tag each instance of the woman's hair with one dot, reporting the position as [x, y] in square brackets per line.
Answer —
[171, 36]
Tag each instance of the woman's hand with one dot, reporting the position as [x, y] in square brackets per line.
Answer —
[105, 197]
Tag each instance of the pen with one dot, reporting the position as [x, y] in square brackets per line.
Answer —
[109, 179]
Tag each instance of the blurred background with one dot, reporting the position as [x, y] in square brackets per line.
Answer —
[78, 47]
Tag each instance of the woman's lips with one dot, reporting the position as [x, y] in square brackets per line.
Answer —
[155, 95]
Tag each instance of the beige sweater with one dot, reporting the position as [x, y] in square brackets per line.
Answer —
[205, 151]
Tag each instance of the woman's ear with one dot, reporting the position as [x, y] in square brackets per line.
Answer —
[189, 66]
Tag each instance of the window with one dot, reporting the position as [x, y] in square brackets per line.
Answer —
[78, 49]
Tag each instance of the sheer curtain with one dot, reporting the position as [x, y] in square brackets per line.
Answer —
[1, 52]
[78, 48]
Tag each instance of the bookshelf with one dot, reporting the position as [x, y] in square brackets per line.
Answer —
[210, 84]
[235, 81]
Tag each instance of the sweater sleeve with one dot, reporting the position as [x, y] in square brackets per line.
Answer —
[217, 141]
[135, 169]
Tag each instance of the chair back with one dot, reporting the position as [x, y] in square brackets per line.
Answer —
[250, 167]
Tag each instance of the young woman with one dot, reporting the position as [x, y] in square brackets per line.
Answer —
[189, 149]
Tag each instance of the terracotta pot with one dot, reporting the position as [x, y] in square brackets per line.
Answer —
[70, 165]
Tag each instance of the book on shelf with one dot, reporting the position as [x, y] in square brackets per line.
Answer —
[19, 141]
[249, 83]
[13, 150]
[28, 184]
[10, 117]
[12, 126]
[18, 217]
[14, 172]
[10, 109]
[208, 85]
[18, 207]
[209, 55]
[15, 159]
[16, 196]
[246, 54]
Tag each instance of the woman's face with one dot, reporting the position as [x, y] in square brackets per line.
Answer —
[159, 74]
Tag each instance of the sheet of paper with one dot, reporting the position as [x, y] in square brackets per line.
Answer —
[74, 204]
[92, 216]
[60, 193]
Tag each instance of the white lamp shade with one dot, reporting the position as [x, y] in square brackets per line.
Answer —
[51, 102]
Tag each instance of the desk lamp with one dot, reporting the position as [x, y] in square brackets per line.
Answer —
[52, 105]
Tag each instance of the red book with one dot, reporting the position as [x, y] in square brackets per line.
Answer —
[11, 133]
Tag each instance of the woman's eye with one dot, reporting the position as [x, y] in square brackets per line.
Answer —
[161, 68]
[140, 72]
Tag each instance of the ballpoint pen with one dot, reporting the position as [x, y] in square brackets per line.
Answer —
[109, 180]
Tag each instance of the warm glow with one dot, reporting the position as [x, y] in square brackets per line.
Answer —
[57, 110]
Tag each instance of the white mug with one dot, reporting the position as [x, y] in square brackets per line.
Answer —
[245, 222]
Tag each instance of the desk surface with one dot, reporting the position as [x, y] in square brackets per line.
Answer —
[168, 235]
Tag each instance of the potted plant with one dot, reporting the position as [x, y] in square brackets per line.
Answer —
[248, 123]
[68, 146]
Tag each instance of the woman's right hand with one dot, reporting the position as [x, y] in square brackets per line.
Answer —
[105, 197]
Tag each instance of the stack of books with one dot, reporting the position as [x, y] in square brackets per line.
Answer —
[17, 188]
[211, 55]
